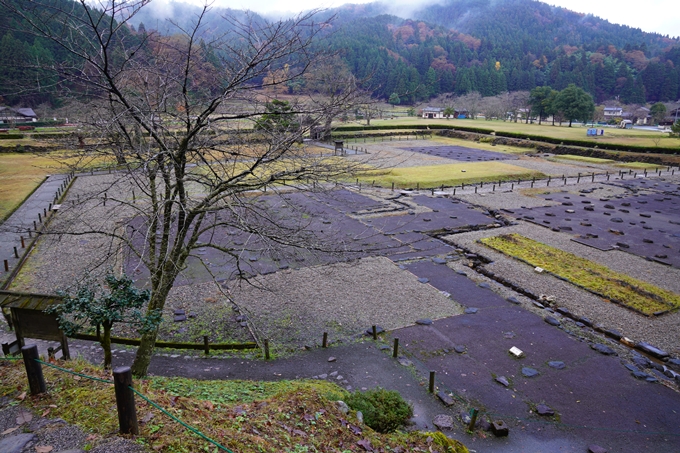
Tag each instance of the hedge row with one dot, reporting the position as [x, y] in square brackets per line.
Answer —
[11, 136]
[417, 127]
[589, 144]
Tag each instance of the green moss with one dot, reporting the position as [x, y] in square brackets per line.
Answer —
[617, 287]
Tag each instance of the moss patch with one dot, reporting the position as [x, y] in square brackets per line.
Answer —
[596, 278]
[285, 416]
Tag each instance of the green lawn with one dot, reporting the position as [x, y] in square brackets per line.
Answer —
[596, 278]
[433, 176]
[640, 165]
[589, 160]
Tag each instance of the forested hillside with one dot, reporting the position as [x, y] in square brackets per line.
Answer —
[455, 46]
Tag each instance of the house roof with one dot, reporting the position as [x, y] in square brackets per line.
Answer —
[433, 109]
[24, 111]
[27, 301]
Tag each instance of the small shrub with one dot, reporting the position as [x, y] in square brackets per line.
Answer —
[384, 410]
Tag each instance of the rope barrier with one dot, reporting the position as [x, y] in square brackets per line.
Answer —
[106, 381]
[189, 427]
[66, 370]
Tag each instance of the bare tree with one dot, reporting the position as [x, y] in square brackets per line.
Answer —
[175, 112]
[470, 102]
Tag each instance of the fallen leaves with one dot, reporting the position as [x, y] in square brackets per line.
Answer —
[43, 449]
[24, 417]
[7, 431]
[22, 396]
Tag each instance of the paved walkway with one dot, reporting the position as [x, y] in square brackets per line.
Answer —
[21, 221]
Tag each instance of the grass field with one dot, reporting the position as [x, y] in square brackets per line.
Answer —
[611, 135]
[640, 165]
[596, 278]
[585, 159]
[433, 176]
[20, 174]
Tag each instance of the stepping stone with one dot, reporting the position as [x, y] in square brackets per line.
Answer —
[558, 365]
[529, 372]
[424, 322]
[404, 361]
[552, 321]
[542, 409]
[180, 318]
[179, 312]
[471, 311]
[443, 421]
[503, 380]
[602, 349]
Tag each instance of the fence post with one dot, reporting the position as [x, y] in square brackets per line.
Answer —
[125, 400]
[206, 345]
[374, 331]
[36, 381]
[473, 419]
[431, 382]
[324, 343]
[395, 353]
[266, 349]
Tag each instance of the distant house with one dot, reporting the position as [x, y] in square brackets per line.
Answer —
[20, 115]
[612, 112]
[433, 112]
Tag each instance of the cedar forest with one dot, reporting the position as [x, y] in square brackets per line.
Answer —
[456, 47]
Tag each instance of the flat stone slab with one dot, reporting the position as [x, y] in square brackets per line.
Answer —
[542, 409]
[16, 443]
[558, 365]
[443, 421]
[471, 311]
[603, 349]
[503, 380]
[529, 372]
[424, 322]
[445, 398]
[552, 321]
[652, 350]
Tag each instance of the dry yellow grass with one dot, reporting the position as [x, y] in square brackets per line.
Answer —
[433, 176]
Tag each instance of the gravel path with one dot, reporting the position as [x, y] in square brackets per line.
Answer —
[294, 308]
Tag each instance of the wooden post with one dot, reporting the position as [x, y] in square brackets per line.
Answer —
[578, 178]
[23, 243]
[374, 330]
[6, 266]
[473, 419]
[35, 225]
[324, 343]
[39, 218]
[431, 382]
[206, 345]
[266, 349]
[395, 352]
[36, 380]
[125, 400]
[16, 254]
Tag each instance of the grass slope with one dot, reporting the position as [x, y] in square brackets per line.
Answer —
[434, 176]
[589, 160]
[244, 416]
[620, 288]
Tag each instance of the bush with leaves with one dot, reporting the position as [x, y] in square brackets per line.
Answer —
[121, 303]
[384, 410]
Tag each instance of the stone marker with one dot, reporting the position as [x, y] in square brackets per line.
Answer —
[499, 428]
[517, 352]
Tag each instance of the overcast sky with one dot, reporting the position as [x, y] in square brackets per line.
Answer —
[661, 16]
